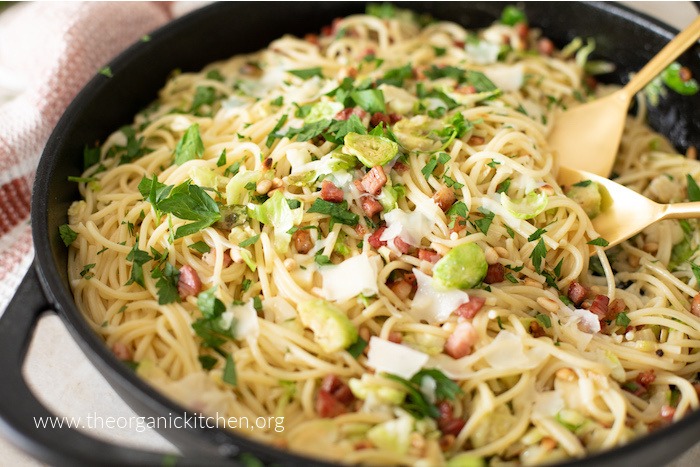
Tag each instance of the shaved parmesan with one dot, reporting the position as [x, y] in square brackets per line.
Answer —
[506, 77]
[432, 304]
[410, 226]
[506, 351]
[588, 321]
[547, 404]
[244, 318]
[354, 276]
[388, 357]
[279, 308]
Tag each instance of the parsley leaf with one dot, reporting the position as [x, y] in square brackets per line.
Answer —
[106, 71]
[415, 403]
[204, 95]
[371, 100]
[538, 254]
[91, 156]
[85, 273]
[452, 183]
[138, 258]
[209, 305]
[396, 76]
[274, 133]
[200, 247]
[622, 320]
[167, 283]
[357, 347]
[207, 361]
[445, 388]
[544, 320]
[321, 259]
[190, 202]
[67, 234]
[190, 145]
[484, 223]
[696, 271]
[503, 186]
[338, 129]
[249, 241]
[339, 212]
[221, 161]
[600, 241]
[583, 183]
[229, 375]
[307, 72]
[536, 235]
[693, 189]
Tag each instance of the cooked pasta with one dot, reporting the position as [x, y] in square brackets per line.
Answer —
[362, 232]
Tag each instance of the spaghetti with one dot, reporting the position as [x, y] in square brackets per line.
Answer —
[362, 232]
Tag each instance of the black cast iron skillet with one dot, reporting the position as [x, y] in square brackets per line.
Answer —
[216, 32]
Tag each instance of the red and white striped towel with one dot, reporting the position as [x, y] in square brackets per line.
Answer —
[48, 51]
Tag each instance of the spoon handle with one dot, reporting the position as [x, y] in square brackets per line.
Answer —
[664, 58]
[681, 211]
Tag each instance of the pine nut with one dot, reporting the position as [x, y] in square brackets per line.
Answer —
[290, 264]
[651, 247]
[532, 282]
[566, 374]
[491, 255]
[547, 189]
[548, 304]
[263, 186]
[633, 260]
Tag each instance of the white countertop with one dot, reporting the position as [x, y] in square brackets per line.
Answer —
[70, 386]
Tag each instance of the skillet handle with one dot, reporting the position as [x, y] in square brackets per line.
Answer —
[19, 408]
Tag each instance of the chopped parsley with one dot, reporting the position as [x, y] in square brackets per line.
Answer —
[358, 347]
[200, 247]
[536, 235]
[339, 212]
[185, 201]
[416, 403]
[371, 100]
[138, 258]
[249, 241]
[544, 320]
[106, 71]
[207, 361]
[538, 254]
[431, 165]
[484, 223]
[67, 234]
[600, 241]
[274, 133]
[166, 284]
[622, 320]
[85, 273]
[229, 375]
[221, 161]
[307, 72]
[91, 156]
[693, 189]
[190, 145]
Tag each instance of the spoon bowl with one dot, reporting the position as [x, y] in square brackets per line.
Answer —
[587, 137]
[626, 212]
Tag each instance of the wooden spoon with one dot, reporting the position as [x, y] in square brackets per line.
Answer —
[624, 211]
[587, 137]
